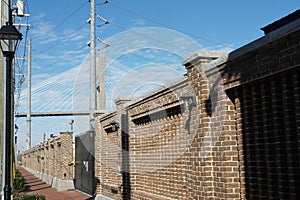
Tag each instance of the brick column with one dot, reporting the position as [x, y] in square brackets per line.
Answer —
[47, 158]
[240, 139]
[51, 158]
[66, 150]
[213, 167]
[199, 83]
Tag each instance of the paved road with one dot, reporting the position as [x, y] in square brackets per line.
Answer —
[35, 186]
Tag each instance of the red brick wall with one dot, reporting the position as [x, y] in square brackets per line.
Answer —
[213, 155]
[240, 141]
[107, 156]
[52, 157]
[266, 96]
[269, 121]
[157, 144]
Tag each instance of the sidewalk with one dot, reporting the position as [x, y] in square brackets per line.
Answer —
[34, 186]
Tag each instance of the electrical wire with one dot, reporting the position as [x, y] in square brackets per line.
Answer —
[70, 36]
[163, 25]
[68, 17]
[66, 56]
[20, 66]
[151, 38]
[145, 36]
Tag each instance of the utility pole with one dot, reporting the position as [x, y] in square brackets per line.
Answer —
[20, 13]
[93, 103]
[101, 101]
[28, 119]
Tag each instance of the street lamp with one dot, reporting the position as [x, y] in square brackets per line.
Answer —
[9, 39]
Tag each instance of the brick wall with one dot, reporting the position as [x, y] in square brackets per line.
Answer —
[230, 130]
[110, 153]
[239, 141]
[213, 155]
[157, 145]
[108, 157]
[52, 157]
[266, 93]
[176, 151]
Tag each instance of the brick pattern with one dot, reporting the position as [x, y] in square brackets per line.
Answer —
[52, 157]
[266, 94]
[270, 124]
[107, 156]
[241, 140]
[213, 154]
[158, 145]
[242, 137]
[157, 165]
[273, 57]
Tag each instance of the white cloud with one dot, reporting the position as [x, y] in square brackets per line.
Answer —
[43, 33]
[138, 22]
[38, 17]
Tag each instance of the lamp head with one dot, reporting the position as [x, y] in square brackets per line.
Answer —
[9, 38]
[114, 125]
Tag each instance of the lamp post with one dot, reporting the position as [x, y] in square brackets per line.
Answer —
[9, 39]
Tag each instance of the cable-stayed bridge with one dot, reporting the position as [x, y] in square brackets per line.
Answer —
[134, 66]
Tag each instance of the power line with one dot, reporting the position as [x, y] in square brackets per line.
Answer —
[68, 17]
[163, 25]
[70, 36]
[66, 56]
[140, 34]
[20, 65]
[154, 39]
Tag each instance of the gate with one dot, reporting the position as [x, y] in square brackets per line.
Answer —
[84, 162]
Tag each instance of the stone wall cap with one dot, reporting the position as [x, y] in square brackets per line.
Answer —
[108, 115]
[215, 63]
[100, 112]
[213, 54]
[66, 132]
[171, 84]
[122, 99]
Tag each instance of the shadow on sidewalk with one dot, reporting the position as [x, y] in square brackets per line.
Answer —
[35, 186]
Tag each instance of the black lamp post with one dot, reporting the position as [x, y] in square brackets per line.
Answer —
[9, 39]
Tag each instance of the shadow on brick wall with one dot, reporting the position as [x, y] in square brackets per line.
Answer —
[270, 129]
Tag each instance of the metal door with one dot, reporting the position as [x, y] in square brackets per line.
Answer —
[84, 162]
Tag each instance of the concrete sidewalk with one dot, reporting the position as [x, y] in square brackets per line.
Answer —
[34, 185]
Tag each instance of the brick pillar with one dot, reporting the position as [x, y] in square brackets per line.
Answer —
[213, 167]
[47, 158]
[58, 156]
[66, 150]
[35, 153]
[38, 152]
[123, 138]
[239, 124]
[199, 83]
[51, 157]
[98, 148]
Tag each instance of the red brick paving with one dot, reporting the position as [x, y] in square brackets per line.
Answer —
[34, 186]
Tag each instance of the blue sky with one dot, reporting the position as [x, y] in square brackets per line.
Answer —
[59, 34]
[233, 23]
